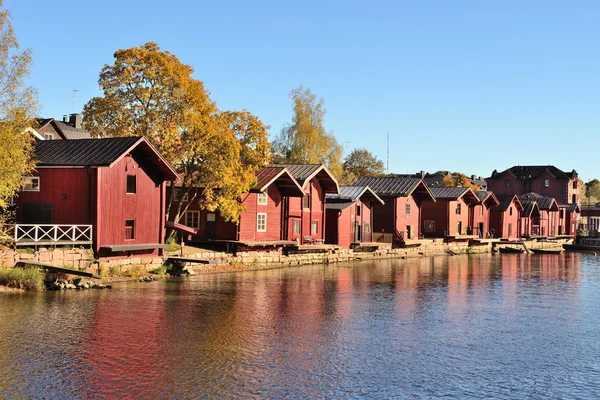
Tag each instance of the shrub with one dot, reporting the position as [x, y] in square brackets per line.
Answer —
[22, 278]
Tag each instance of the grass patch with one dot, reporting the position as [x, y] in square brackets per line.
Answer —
[22, 278]
[26, 250]
[162, 270]
[102, 270]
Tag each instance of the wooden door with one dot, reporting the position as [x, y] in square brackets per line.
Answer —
[211, 225]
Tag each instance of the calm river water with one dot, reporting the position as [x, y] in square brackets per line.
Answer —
[458, 327]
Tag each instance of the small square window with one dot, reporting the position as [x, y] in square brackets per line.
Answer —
[263, 198]
[547, 183]
[507, 183]
[129, 229]
[296, 227]
[261, 222]
[181, 196]
[211, 217]
[192, 219]
[131, 184]
[48, 136]
[31, 183]
[314, 227]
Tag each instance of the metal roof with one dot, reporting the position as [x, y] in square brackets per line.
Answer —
[279, 176]
[454, 193]
[305, 172]
[528, 208]
[544, 203]
[353, 193]
[389, 186]
[506, 200]
[338, 206]
[70, 132]
[97, 153]
[534, 171]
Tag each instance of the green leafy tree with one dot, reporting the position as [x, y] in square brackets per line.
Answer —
[18, 104]
[592, 191]
[305, 140]
[362, 162]
[149, 92]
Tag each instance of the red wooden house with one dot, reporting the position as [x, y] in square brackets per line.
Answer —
[480, 213]
[450, 214]
[400, 216]
[569, 219]
[107, 192]
[504, 218]
[304, 218]
[350, 215]
[549, 219]
[530, 219]
[263, 218]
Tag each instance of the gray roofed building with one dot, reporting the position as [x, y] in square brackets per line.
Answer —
[69, 128]
[305, 172]
[544, 203]
[390, 186]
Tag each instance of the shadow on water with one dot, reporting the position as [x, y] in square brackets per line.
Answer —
[463, 326]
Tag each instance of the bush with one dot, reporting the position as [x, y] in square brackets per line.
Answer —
[22, 278]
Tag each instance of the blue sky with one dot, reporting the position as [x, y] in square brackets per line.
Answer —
[467, 86]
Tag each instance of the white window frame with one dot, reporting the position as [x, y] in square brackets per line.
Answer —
[31, 189]
[366, 227]
[261, 227]
[546, 182]
[211, 217]
[191, 223]
[48, 136]
[262, 199]
[314, 224]
[297, 223]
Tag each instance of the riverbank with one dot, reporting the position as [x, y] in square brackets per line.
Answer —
[210, 262]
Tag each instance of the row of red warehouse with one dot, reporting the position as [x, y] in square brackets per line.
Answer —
[117, 188]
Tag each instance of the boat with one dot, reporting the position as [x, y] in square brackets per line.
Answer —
[511, 250]
[548, 250]
[591, 243]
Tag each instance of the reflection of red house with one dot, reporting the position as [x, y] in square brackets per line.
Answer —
[304, 217]
[549, 214]
[449, 215]
[263, 217]
[480, 213]
[350, 215]
[116, 185]
[504, 218]
[400, 216]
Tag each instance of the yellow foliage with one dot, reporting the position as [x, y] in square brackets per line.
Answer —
[150, 93]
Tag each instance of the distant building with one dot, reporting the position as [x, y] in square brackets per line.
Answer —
[68, 129]
[548, 181]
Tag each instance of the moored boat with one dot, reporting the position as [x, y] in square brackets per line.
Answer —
[548, 250]
[584, 243]
[511, 250]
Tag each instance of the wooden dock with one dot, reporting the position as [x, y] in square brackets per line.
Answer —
[53, 268]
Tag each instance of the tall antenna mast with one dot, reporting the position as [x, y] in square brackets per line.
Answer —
[73, 100]
[388, 153]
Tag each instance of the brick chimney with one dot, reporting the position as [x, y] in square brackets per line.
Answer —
[75, 120]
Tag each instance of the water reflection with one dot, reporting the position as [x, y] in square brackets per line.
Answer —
[463, 326]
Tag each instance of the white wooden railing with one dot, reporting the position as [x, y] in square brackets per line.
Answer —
[34, 233]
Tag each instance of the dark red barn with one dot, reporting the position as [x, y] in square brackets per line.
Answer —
[450, 215]
[480, 213]
[350, 215]
[107, 191]
[505, 218]
[399, 219]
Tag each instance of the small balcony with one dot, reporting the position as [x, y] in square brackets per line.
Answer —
[52, 235]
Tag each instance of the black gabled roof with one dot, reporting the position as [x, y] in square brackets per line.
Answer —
[305, 172]
[505, 200]
[453, 193]
[390, 186]
[352, 193]
[523, 172]
[97, 153]
[544, 203]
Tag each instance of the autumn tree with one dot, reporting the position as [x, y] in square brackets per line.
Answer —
[592, 191]
[149, 92]
[362, 162]
[18, 104]
[305, 140]
[458, 180]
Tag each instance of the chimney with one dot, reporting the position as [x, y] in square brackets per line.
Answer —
[66, 119]
[473, 177]
[75, 120]
[422, 174]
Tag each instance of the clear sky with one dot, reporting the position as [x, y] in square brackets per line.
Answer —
[467, 86]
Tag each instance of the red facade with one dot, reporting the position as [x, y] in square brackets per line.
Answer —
[450, 215]
[98, 195]
[504, 219]
[480, 214]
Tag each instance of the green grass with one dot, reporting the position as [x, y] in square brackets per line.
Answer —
[22, 278]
